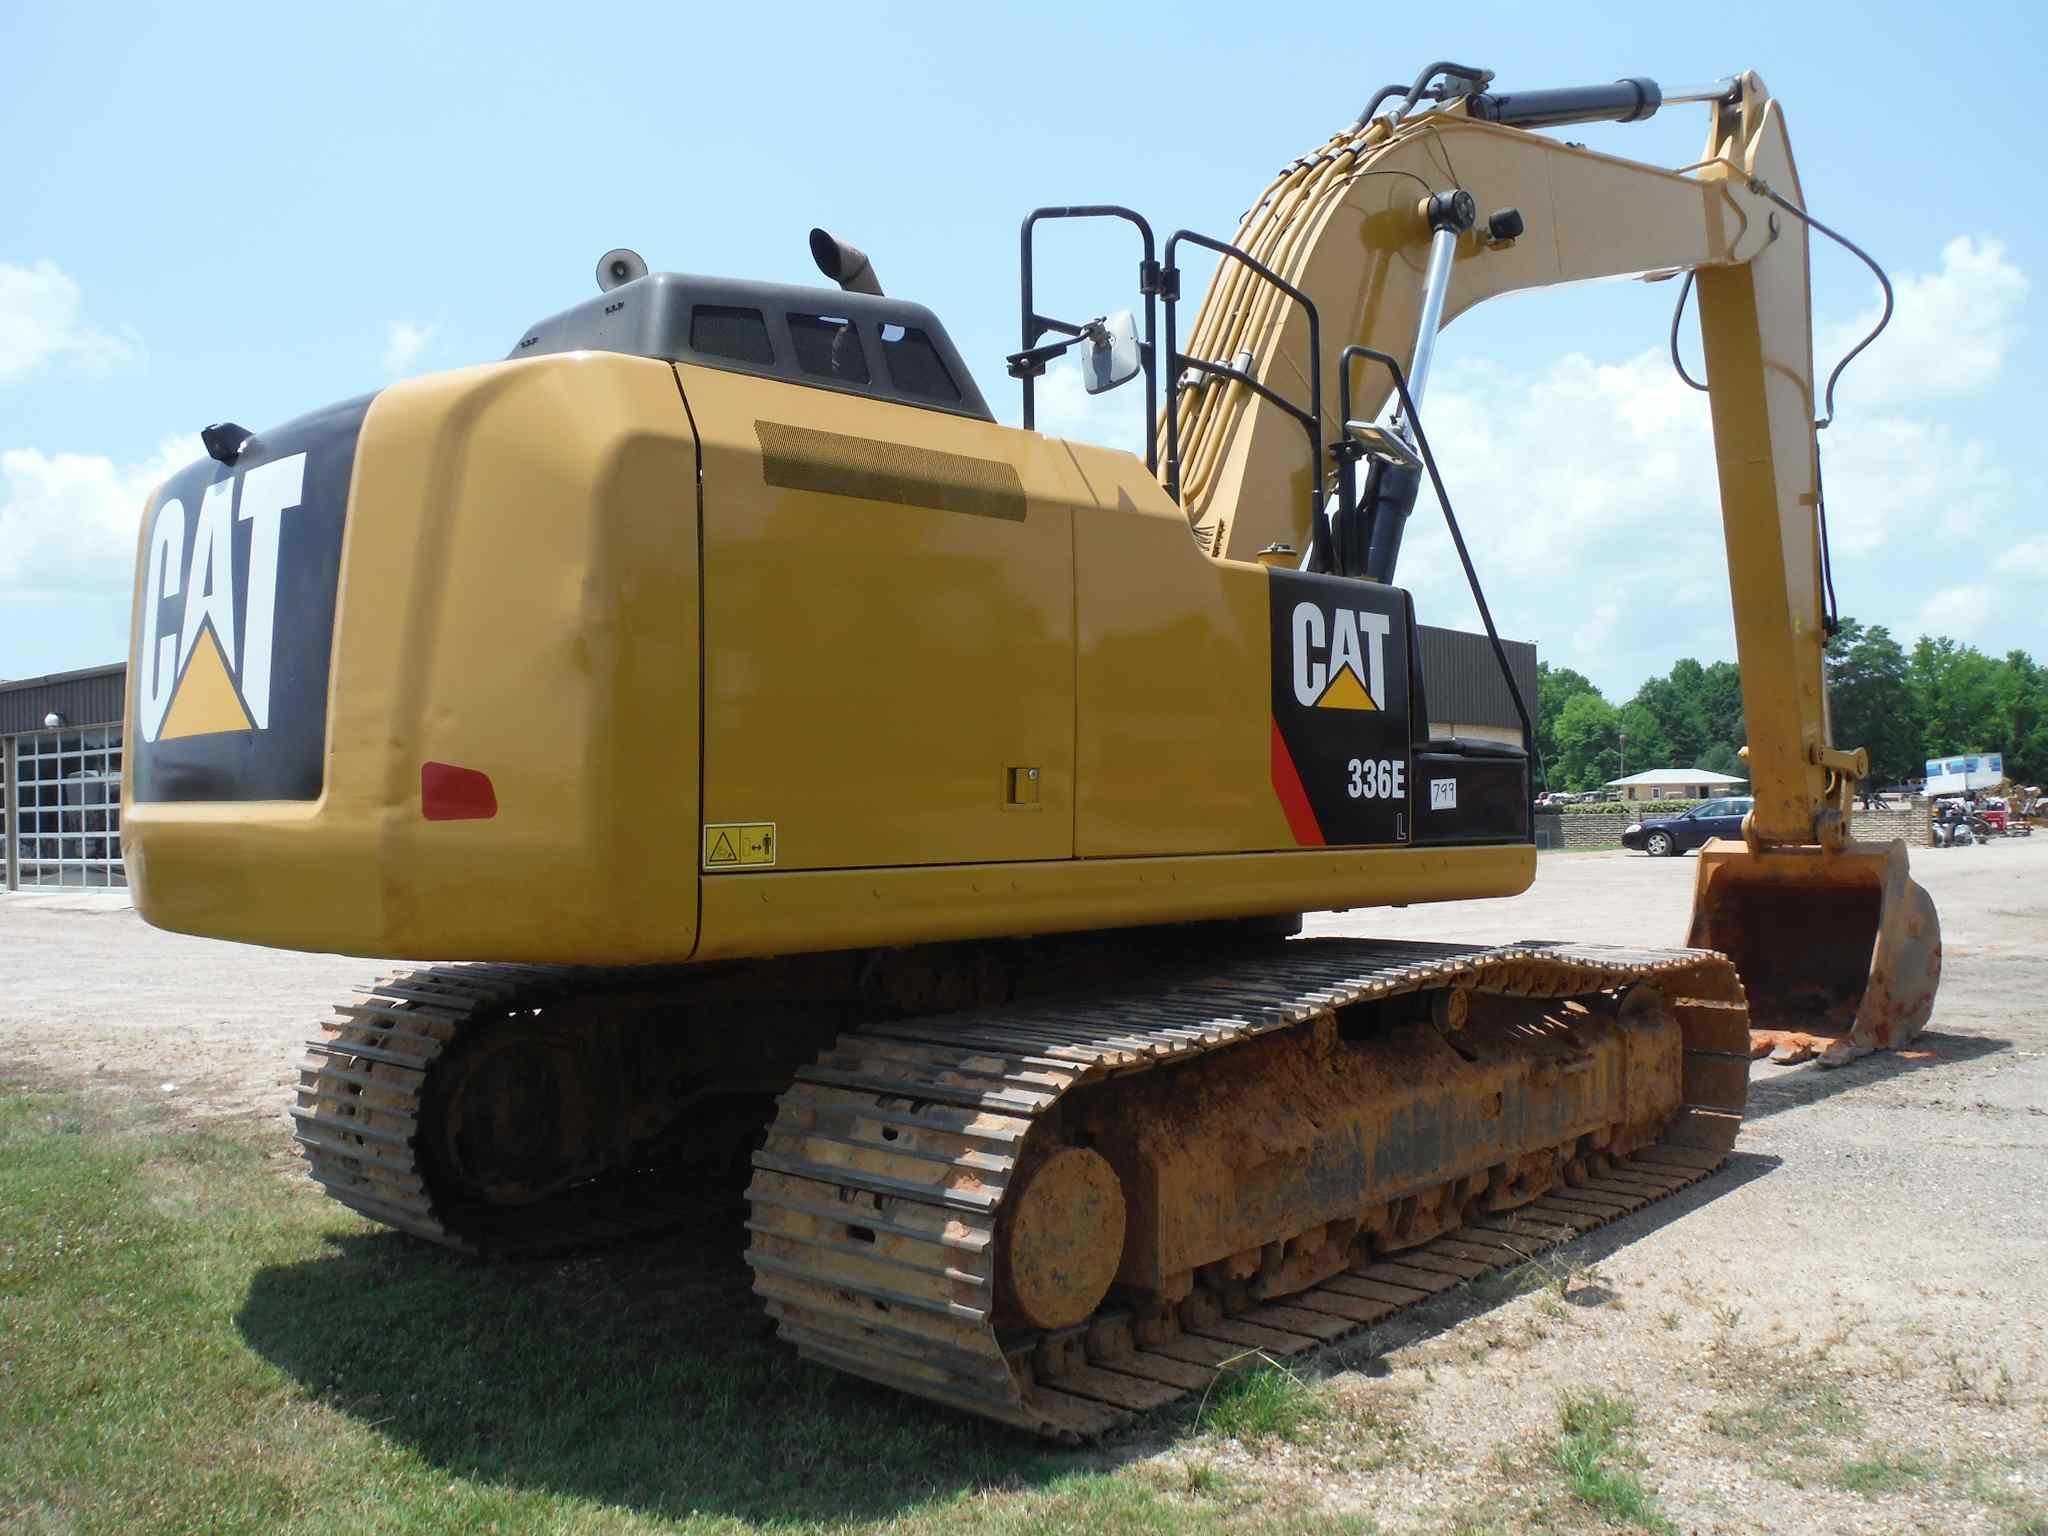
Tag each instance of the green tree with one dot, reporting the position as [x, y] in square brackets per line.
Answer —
[1871, 701]
[1722, 758]
[1555, 687]
[1955, 690]
[1721, 708]
[1677, 703]
[2022, 726]
[1587, 752]
[1648, 745]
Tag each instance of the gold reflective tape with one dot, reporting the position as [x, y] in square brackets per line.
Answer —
[805, 459]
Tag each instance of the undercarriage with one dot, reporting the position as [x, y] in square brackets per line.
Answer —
[1052, 1186]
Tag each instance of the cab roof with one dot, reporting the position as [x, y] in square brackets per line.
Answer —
[823, 338]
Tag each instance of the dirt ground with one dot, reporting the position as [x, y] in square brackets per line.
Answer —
[1839, 1332]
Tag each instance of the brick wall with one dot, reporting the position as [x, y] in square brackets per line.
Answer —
[1908, 821]
[1582, 830]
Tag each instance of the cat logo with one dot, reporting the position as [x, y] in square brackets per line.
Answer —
[1340, 657]
[196, 679]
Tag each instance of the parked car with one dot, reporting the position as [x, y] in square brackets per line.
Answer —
[1671, 835]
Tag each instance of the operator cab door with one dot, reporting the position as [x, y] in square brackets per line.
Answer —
[888, 628]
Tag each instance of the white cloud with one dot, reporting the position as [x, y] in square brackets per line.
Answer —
[1949, 335]
[1066, 409]
[1598, 479]
[2028, 558]
[1961, 612]
[403, 345]
[69, 522]
[39, 324]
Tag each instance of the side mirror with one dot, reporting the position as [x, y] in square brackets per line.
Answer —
[1109, 352]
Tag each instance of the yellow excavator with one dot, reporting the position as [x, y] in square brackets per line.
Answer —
[829, 787]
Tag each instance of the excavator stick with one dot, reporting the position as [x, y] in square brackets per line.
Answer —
[1839, 952]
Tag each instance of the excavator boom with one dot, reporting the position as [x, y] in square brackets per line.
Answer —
[1841, 950]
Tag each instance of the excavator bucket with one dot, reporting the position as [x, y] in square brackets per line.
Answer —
[1840, 953]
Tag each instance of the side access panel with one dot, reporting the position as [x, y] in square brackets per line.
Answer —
[888, 605]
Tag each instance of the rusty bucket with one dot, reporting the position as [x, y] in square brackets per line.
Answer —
[1840, 952]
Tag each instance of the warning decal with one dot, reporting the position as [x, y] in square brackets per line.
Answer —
[739, 845]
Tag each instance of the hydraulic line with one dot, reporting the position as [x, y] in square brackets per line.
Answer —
[1241, 315]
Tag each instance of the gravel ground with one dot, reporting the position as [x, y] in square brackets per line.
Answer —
[1840, 1332]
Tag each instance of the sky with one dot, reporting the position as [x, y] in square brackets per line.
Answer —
[245, 212]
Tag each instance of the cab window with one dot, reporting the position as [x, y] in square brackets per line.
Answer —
[725, 330]
[828, 347]
[914, 365]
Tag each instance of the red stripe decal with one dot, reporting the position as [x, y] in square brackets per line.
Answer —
[1301, 817]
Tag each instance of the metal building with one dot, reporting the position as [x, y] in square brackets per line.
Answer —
[1466, 693]
[60, 779]
[60, 752]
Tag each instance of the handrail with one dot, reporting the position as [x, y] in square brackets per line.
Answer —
[1036, 325]
[1311, 419]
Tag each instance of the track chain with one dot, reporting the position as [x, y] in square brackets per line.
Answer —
[362, 1091]
[876, 1201]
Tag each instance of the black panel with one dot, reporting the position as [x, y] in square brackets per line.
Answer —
[1340, 707]
[280, 753]
[1469, 797]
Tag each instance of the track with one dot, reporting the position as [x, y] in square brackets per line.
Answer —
[879, 1198]
[362, 1096]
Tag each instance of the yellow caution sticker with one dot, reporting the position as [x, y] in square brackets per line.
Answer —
[739, 845]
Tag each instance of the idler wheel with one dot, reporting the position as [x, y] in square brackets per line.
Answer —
[1066, 1238]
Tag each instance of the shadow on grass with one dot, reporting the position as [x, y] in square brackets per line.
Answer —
[1779, 1089]
[646, 1378]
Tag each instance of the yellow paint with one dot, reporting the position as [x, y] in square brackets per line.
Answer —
[893, 608]
[1345, 692]
[205, 702]
[518, 595]
[876, 665]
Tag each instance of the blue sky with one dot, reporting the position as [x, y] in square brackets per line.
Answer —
[245, 212]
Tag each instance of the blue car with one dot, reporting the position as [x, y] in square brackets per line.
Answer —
[1681, 833]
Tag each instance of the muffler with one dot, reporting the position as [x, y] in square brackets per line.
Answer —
[1839, 952]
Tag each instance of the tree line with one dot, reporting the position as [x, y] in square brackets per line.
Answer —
[1905, 707]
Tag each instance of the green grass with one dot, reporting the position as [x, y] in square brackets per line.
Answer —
[1881, 1474]
[1596, 1463]
[190, 1341]
[1260, 1402]
[1790, 1415]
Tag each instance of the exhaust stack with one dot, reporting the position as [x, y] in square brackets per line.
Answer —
[847, 265]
